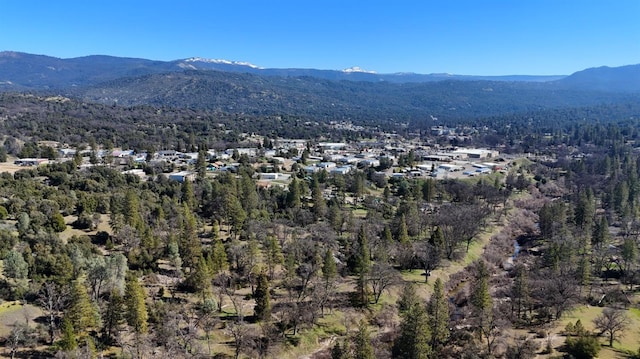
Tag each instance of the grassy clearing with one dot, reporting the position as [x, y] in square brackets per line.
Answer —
[70, 231]
[11, 312]
[449, 268]
[629, 342]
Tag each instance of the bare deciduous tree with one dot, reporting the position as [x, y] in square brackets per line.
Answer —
[612, 322]
[382, 276]
[52, 299]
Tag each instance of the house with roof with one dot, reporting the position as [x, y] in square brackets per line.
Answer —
[182, 176]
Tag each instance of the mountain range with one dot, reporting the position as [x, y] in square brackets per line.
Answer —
[27, 71]
[239, 87]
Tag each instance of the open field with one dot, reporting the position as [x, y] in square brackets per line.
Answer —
[9, 167]
[15, 311]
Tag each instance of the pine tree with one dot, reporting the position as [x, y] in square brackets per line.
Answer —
[428, 190]
[403, 234]
[190, 246]
[585, 210]
[218, 257]
[438, 313]
[113, 317]
[201, 163]
[262, 310]
[405, 255]
[363, 257]
[329, 268]
[362, 343]
[136, 313]
[520, 291]
[187, 196]
[235, 213]
[482, 304]
[249, 194]
[415, 336]
[601, 234]
[340, 351]
[408, 298]
[329, 273]
[82, 313]
[319, 204]
[200, 278]
[131, 210]
[293, 196]
[174, 256]
[362, 267]
[68, 342]
[273, 254]
[437, 240]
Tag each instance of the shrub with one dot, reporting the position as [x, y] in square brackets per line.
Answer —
[583, 347]
[84, 221]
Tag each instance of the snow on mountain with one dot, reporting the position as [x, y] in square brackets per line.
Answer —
[358, 69]
[222, 61]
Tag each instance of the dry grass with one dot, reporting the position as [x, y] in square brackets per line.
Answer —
[449, 268]
[9, 167]
[629, 342]
[12, 312]
[70, 231]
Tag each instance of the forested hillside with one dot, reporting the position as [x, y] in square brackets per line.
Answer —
[319, 99]
[99, 259]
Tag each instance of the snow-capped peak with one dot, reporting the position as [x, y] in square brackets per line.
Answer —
[222, 61]
[358, 69]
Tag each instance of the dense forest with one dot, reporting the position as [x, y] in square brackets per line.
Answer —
[538, 259]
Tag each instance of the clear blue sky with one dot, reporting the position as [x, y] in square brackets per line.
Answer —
[473, 37]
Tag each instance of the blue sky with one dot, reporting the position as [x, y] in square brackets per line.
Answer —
[473, 37]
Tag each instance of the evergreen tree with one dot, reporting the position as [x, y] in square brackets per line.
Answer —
[82, 312]
[249, 194]
[403, 234]
[235, 213]
[438, 313]
[415, 336]
[335, 218]
[190, 246]
[408, 298]
[187, 196]
[113, 315]
[520, 291]
[340, 351]
[601, 234]
[585, 210]
[56, 223]
[428, 190]
[362, 343]
[136, 309]
[329, 273]
[437, 240]
[68, 342]
[14, 265]
[201, 163]
[329, 268]
[262, 309]
[482, 304]
[362, 267]
[174, 256]
[131, 210]
[219, 261]
[273, 254]
[293, 196]
[200, 278]
[319, 204]
[363, 257]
